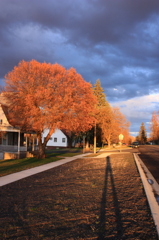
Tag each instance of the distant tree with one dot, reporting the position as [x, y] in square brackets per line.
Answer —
[142, 134]
[122, 125]
[107, 124]
[127, 138]
[114, 123]
[44, 95]
[154, 127]
[132, 139]
[137, 138]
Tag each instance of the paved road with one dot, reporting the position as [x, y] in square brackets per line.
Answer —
[149, 154]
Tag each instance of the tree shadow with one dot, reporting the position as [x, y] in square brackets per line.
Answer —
[118, 228]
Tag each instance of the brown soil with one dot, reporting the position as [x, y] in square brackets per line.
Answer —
[85, 199]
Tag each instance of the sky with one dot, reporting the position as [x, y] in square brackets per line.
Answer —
[116, 41]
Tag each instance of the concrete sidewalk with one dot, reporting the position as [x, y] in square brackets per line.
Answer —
[29, 172]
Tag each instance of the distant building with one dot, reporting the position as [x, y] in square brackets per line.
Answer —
[58, 139]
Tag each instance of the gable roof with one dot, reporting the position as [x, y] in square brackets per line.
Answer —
[5, 110]
[4, 103]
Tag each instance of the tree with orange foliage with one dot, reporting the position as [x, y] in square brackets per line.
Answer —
[113, 123]
[122, 125]
[47, 96]
[110, 121]
[154, 127]
[106, 123]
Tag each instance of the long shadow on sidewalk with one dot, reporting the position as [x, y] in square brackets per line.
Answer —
[109, 179]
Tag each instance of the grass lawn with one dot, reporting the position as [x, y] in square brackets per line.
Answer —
[15, 165]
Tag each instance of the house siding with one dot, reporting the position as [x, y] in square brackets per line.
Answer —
[59, 136]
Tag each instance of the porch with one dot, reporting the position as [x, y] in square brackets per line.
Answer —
[16, 144]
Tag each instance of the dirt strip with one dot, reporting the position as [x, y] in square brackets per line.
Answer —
[88, 198]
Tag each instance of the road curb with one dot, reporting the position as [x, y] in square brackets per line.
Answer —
[151, 188]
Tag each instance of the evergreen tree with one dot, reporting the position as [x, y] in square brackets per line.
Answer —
[103, 109]
[142, 134]
[99, 93]
[101, 103]
[110, 121]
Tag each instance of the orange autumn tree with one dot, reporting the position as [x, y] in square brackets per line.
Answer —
[121, 126]
[113, 123]
[47, 96]
[106, 123]
[110, 121]
[154, 127]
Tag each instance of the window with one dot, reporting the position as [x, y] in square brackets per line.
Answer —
[55, 139]
[63, 140]
[4, 140]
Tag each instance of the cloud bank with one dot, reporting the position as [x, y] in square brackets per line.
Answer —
[114, 41]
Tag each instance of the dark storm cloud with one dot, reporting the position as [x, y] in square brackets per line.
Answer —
[114, 41]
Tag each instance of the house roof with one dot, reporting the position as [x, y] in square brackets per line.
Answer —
[7, 116]
[4, 103]
[67, 133]
[13, 126]
[5, 110]
[3, 99]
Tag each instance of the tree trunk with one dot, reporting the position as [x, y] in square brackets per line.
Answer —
[109, 142]
[69, 138]
[87, 144]
[42, 145]
[41, 151]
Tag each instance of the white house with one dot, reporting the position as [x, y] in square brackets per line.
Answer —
[11, 137]
[58, 139]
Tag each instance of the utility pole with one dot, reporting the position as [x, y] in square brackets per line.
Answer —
[95, 137]
[19, 144]
[84, 143]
